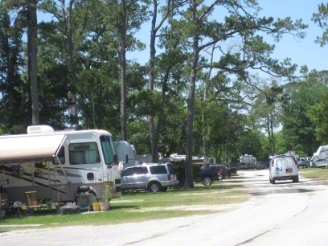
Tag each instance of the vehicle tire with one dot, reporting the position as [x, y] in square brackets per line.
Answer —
[207, 181]
[273, 181]
[154, 187]
[295, 180]
[164, 189]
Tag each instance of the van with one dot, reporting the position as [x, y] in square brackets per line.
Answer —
[283, 167]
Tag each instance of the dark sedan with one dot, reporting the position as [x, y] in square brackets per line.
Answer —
[260, 165]
[303, 164]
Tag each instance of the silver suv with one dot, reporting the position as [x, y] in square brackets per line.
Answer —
[152, 177]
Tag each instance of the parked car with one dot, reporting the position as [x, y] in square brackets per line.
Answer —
[303, 163]
[208, 175]
[224, 170]
[233, 171]
[152, 177]
[245, 166]
[283, 167]
[260, 165]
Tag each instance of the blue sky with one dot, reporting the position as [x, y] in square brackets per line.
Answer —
[305, 51]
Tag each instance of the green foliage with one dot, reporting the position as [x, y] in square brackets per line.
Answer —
[98, 30]
[301, 115]
[321, 18]
[250, 143]
[106, 195]
[318, 115]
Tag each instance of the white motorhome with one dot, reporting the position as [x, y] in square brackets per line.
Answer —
[59, 165]
[126, 153]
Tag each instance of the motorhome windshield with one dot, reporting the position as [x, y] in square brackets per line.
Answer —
[108, 149]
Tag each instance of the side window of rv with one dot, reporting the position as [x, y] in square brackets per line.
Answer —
[83, 153]
[61, 156]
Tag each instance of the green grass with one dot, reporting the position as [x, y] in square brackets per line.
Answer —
[319, 174]
[141, 206]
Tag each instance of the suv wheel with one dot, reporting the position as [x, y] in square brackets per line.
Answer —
[207, 181]
[154, 187]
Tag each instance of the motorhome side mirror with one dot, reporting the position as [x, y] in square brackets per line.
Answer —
[126, 159]
[115, 159]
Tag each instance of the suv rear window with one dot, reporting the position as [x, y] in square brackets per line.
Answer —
[171, 169]
[157, 169]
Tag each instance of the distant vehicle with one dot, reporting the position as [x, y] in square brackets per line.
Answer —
[225, 171]
[208, 175]
[233, 171]
[152, 177]
[320, 163]
[247, 162]
[283, 167]
[320, 154]
[303, 163]
[260, 165]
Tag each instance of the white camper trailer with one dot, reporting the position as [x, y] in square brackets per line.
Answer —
[320, 157]
[126, 153]
[59, 165]
[247, 161]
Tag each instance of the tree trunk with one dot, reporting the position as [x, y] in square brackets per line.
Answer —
[122, 71]
[151, 125]
[190, 116]
[272, 135]
[32, 58]
[205, 142]
[72, 84]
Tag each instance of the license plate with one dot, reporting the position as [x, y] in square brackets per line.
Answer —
[289, 170]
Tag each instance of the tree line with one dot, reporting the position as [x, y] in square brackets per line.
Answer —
[209, 88]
